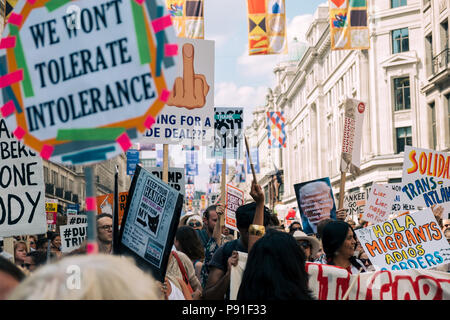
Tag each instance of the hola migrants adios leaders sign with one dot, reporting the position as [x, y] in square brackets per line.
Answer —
[22, 194]
[82, 78]
[411, 241]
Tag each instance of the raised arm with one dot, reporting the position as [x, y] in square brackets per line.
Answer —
[256, 230]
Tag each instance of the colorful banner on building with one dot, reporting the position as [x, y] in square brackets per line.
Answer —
[190, 191]
[349, 24]
[426, 177]
[351, 143]
[84, 78]
[267, 27]
[234, 199]
[276, 132]
[411, 241]
[187, 18]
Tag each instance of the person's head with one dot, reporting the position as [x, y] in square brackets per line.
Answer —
[275, 270]
[309, 245]
[338, 240]
[316, 202]
[32, 242]
[352, 223]
[35, 259]
[364, 259]
[321, 226]
[445, 224]
[55, 241]
[88, 277]
[244, 218]
[42, 244]
[188, 242]
[295, 226]
[20, 252]
[210, 218]
[10, 277]
[105, 228]
[195, 222]
[447, 234]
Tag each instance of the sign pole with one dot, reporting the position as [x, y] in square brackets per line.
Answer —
[91, 211]
[165, 175]
[250, 160]
[342, 191]
[116, 213]
[223, 187]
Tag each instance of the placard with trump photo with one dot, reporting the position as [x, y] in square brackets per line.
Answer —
[316, 202]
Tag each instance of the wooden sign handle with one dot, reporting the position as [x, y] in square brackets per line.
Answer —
[165, 175]
[342, 191]
[250, 160]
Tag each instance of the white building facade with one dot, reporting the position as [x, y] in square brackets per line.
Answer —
[391, 78]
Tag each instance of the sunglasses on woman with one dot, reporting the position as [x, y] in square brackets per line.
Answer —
[304, 244]
[195, 224]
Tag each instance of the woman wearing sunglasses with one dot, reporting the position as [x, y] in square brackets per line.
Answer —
[309, 245]
[195, 222]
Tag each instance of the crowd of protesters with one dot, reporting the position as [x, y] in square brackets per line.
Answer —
[200, 264]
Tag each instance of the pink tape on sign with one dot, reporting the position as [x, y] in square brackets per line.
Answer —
[31, 1]
[47, 151]
[11, 78]
[8, 109]
[91, 204]
[15, 19]
[139, 1]
[92, 248]
[19, 132]
[149, 122]
[170, 50]
[124, 141]
[160, 24]
[8, 42]
[165, 94]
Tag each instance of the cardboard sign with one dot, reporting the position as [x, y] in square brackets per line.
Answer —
[411, 241]
[72, 236]
[22, 192]
[51, 205]
[316, 202]
[85, 77]
[105, 204]
[426, 177]
[191, 170]
[80, 219]
[234, 199]
[150, 222]
[379, 204]
[331, 283]
[176, 177]
[228, 134]
[351, 143]
[355, 203]
[188, 117]
[400, 202]
[132, 161]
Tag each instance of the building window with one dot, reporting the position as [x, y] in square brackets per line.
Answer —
[402, 94]
[433, 126]
[55, 179]
[400, 40]
[404, 138]
[395, 180]
[398, 3]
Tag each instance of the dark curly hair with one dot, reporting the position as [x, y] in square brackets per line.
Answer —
[190, 243]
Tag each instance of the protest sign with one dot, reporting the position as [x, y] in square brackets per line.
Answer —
[331, 283]
[188, 117]
[80, 219]
[379, 204]
[316, 202]
[72, 236]
[105, 204]
[150, 222]
[132, 161]
[234, 199]
[355, 203]
[351, 143]
[426, 177]
[411, 241]
[176, 177]
[400, 202]
[85, 77]
[51, 205]
[228, 134]
[191, 169]
[22, 188]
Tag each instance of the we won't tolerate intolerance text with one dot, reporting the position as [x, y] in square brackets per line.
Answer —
[111, 54]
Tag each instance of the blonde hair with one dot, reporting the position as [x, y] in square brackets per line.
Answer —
[101, 277]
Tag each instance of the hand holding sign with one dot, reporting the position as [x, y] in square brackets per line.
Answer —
[190, 91]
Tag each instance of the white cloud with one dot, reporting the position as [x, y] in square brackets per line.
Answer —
[298, 26]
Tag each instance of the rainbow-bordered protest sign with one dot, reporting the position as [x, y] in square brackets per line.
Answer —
[81, 78]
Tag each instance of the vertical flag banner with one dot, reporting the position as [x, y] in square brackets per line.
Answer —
[426, 177]
[267, 27]
[349, 24]
[351, 144]
[276, 132]
[83, 78]
[2, 15]
[187, 18]
[10, 4]
[190, 191]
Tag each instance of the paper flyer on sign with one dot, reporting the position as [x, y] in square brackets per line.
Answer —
[426, 177]
[22, 188]
[149, 218]
[411, 241]
[234, 199]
